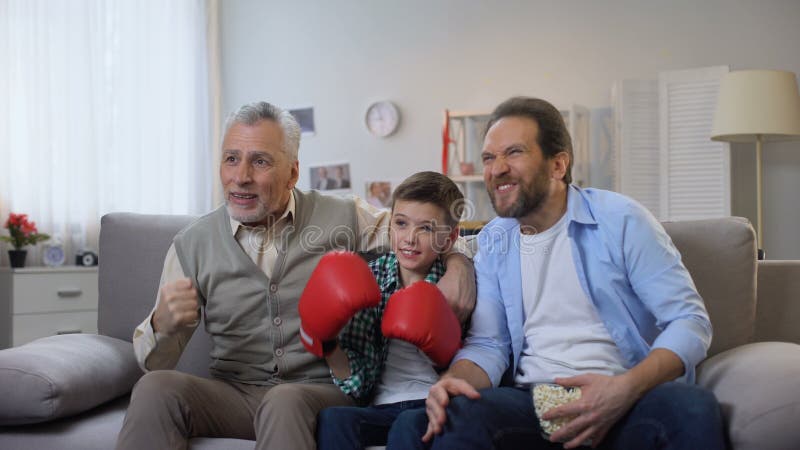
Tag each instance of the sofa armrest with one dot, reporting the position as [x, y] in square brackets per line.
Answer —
[58, 376]
[778, 301]
[759, 392]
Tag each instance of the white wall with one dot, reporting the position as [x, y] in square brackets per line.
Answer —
[427, 55]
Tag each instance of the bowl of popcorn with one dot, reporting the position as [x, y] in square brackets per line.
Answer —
[547, 396]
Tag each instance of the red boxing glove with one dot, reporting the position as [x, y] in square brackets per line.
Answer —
[420, 315]
[341, 285]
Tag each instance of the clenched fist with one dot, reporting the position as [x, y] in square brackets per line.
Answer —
[177, 307]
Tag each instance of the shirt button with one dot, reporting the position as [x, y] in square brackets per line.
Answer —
[277, 321]
[273, 288]
[279, 352]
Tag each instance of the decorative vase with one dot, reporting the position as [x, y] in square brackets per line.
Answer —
[17, 257]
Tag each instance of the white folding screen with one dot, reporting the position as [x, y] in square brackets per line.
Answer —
[665, 157]
[637, 162]
[694, 171]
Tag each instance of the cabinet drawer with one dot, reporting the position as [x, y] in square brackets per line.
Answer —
[52, 292]
[28, 327]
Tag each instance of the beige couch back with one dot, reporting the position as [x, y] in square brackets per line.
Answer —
[721, 256]
[719, 253]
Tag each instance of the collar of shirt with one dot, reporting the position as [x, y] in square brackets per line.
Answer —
[288, 214]
[390, 282]
[577, 209]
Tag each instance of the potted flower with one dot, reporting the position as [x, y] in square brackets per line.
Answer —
[21, 232]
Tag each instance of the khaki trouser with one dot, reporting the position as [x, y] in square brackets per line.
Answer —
[169, 407]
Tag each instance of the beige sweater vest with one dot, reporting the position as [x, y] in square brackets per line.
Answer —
[251, 316]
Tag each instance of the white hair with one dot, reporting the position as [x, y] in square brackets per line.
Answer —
[252, 113]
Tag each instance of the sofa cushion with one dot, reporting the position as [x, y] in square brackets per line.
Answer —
[758, 388]
[721, 256]
[58, 376]
[96, 429]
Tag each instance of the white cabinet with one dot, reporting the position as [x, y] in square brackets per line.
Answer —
[42, 301]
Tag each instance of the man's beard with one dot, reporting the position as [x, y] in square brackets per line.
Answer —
[254, 217]
[530, 198]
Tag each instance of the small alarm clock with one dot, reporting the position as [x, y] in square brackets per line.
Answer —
[86, 258]
[53, 254]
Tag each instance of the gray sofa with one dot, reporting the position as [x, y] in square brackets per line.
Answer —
[70, 392]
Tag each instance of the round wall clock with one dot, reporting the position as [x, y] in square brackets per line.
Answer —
[53, 254]
[383, 118]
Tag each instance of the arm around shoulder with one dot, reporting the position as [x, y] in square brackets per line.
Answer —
[458, 285]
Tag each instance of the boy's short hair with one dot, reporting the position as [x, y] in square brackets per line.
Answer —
[435, 188]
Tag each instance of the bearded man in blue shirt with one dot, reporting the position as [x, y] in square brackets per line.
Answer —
[578, 287]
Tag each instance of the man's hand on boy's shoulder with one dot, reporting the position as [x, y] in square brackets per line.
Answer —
[458, 285]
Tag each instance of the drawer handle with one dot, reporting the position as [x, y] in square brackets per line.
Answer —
[69, 292]
[69, 332]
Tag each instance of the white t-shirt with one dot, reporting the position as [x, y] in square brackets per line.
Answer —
[408, 374]
[564, 335]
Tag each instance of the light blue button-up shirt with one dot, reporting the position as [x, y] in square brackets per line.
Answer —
[626, 264]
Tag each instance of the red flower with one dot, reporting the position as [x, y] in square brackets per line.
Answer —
[16, 219]
[28, 228]
[22, 232]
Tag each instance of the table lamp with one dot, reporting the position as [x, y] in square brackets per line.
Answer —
[757, 106]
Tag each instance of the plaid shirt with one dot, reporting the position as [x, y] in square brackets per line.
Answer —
[362, 340]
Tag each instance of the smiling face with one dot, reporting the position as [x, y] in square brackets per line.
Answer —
[419, 233]
[256, 173]
[518, 178]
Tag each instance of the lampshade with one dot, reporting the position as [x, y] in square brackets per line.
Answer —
[757, 102]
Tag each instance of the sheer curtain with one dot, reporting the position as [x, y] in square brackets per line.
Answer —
[104, 106]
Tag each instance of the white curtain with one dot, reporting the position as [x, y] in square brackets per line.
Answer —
[104, 106]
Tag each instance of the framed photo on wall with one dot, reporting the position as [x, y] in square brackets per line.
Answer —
[378, 193]
[305, 118]
[331, 177]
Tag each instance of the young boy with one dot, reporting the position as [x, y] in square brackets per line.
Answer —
[391, 374]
